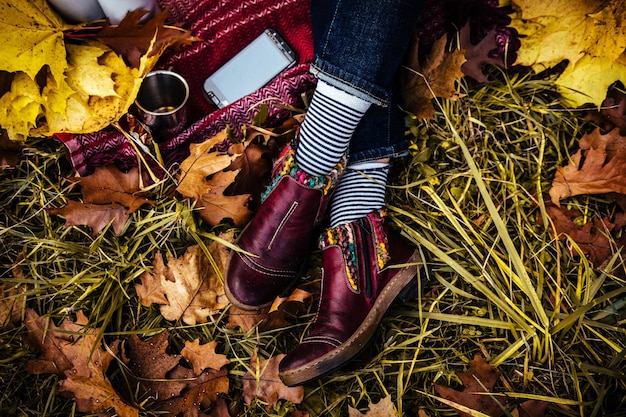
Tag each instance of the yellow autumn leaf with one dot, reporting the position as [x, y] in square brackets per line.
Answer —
[31, 35]
[580, 31]
[21, 103]
[85, 74]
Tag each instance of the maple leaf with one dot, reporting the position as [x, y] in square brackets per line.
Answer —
[133, 39]
[31, 35]
[436, 77]
[190, 286]
[96, 216]
[590, 35]
[480, 378]
[382, 408]
[203, 356]
[263, 383]
[597, 168]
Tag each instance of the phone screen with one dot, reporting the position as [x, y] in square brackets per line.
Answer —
[252, 68]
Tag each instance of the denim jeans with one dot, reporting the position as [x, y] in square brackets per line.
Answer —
[359, 47]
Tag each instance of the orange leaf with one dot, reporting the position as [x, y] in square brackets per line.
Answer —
[203, 356]
[265, 384]
[189, 287]
[243, 319]
[216, 206]
[598, 167]
[109, 185]
[480, 375]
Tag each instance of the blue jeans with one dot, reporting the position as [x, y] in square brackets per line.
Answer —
[359, 47]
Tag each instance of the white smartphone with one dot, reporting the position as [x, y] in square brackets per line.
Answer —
[252, 68]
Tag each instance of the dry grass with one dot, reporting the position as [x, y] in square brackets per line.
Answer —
[470, 195]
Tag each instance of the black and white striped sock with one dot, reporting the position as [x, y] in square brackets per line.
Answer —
[361, 190]
[327, 129]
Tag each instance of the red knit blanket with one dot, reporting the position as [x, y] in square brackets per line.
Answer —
[224, 26]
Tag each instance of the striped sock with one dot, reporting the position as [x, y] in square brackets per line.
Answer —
[361, 190]
[327, 129]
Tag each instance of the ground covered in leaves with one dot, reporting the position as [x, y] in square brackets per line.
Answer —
[522, 294]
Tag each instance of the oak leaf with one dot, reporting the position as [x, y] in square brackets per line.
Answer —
[284, 308]
[477, 55]
[436, 77]
[191, 286]
[202, 177]
[262, 382]
[12, 301]
[74, 351]
[480, 379]
[383, 408]
[203, 356]
[598, 167]
[590, 35]
[96, 216]
[245, 320]
[151, 366]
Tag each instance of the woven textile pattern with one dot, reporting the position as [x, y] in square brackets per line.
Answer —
[224, 27]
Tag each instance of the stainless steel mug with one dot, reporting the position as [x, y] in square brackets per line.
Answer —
[161, 104]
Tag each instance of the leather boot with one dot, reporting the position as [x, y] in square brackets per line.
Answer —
[276, 242]
[359, 283]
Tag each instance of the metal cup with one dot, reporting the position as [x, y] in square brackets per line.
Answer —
[161, 104]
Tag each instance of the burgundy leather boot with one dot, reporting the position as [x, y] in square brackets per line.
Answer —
[359, 283]
[277, 240]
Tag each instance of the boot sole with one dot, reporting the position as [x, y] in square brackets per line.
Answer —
[338, 357]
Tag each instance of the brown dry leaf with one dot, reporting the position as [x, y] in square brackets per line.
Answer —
[202, 178]
[284, 308]
[215, 206]
[478, 55]
[133, 39]
[75, 351]
[598, 167]
[151, 365]
[383, 408]
[9, 151]
[265, 384]
[96, 395]
[109, 185]
[592, 238]
[204, 160]
[203, 356]
[436, 77]
[201, 392]
[189, 287]
[245, 320]
[254, 165]
[96, 216]
[531, 408]
[480, 375]
[12, 302]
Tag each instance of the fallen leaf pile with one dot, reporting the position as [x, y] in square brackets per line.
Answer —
[109, 196]
[49, 85]
[590, 35]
